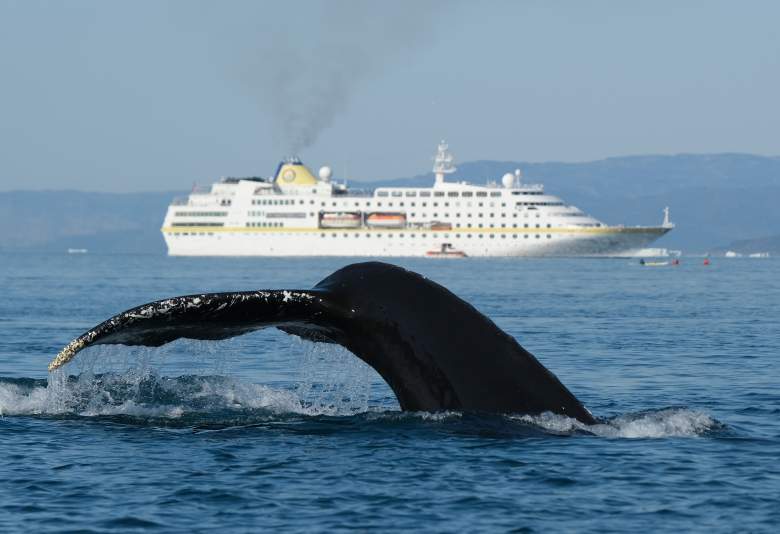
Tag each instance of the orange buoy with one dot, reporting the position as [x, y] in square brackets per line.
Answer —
[706, 261]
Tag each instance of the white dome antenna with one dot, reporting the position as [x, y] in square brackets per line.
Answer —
[508, 180]
[325, 173]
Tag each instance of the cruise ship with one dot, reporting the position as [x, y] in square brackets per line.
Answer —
[295, 213]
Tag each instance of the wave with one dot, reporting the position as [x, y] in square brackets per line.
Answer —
[661, 423]
[221, 401]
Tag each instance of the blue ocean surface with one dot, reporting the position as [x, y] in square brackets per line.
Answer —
[267, 431]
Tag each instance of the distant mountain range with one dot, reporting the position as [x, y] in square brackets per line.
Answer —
[717, 201]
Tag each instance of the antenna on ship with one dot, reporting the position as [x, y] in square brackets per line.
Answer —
[667, 223]
[443, 162]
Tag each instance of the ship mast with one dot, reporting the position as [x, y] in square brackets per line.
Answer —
[443, 162]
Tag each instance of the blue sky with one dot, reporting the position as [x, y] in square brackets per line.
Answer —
[134, 96]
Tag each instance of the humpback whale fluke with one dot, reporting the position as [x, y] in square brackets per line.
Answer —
[434, 350]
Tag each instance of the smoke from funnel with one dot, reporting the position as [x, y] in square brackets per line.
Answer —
[309, 73]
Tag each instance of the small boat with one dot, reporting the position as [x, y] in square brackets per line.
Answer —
[653, 263]
[386, 220]
[77, 251]
[446, 251]
[339, 219]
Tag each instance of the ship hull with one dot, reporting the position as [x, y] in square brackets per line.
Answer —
[561, 242]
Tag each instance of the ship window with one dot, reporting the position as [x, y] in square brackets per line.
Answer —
[457, 236]
[401, 204]
[537, 236]
[381, 193]
[333, 235]
[503, 225]
[357, 235]
[378, 203]
[346, 235]
[468, 235]
[412, 204]
[503, 236]
[549, 226]
[397, 193]
[480, 225]
[526, 236]
[424, 204]
[438, 193]
[495, 193]
[537, 226]
[425, 235]
[425, 193]
[548, 236]
[411, 193]
[481, 194]
[322, 235]
[503, 204]
[435, 204]
[492, 236]
[468, 225]
[446, 204]
[400, 235]
[514, 236]
[466, 194]
[481, 236]
[452, 194]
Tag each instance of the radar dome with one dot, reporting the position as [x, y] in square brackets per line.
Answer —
[508, 180]
[325, 173]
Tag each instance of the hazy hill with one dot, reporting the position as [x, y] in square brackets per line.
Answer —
[715, 200]
[104, 222]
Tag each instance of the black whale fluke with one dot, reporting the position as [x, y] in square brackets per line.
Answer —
[434, 350]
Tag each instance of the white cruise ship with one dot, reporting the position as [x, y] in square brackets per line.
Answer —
[295, 213]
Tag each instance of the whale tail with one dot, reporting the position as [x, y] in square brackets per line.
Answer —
[434, 350]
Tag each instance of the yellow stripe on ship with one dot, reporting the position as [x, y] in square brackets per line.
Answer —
[254, 230]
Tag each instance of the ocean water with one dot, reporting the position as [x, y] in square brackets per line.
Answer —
[266, 431]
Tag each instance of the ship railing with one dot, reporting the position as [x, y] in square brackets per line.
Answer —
[196, 198]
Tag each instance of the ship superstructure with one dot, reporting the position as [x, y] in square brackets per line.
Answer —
[295, 213]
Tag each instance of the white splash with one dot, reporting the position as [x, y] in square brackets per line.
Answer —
[665, 423]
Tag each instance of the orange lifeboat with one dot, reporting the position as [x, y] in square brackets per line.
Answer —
[386, 220]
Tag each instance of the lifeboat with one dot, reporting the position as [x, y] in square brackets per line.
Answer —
[339, 219]
[386, 220]
[446, 251]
